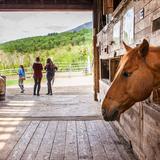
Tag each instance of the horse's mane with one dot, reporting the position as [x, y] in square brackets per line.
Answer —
[154, 48]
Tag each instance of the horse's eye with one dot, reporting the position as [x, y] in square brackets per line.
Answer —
[126, 74]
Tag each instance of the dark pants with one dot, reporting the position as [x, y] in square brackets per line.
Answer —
[37, 85]
[49, 84]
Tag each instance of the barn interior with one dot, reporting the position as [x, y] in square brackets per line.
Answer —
[140, 124]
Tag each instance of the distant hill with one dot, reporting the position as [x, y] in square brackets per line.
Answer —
[38, 43]
[66, 47]
[87, 25]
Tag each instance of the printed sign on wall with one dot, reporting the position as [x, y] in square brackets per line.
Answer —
[128, 26]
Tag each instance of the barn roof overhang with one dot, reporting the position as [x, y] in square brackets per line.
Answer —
[31, 5]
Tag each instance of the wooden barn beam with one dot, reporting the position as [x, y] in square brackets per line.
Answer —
[95, 50]
[28, 5]
[107, 6]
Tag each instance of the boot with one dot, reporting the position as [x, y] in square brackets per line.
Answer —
[34, 91]
[38, 90]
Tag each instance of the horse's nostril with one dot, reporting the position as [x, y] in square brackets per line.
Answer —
[103, 111]
[109, 116]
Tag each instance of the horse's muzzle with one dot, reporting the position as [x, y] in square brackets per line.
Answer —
[110, 116]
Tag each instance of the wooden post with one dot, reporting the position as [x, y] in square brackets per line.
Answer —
[95, 51]
[107, 6]
[2, 87]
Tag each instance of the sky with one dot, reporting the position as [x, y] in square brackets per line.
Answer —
[16, 25]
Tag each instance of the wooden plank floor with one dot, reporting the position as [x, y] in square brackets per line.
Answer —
[59, 140]
[65, 126]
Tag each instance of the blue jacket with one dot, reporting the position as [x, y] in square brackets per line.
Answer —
[21, 72]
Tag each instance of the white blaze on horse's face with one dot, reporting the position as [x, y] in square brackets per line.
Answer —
[133, 82]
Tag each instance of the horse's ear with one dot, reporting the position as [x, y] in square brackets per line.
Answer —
[144, 48]
[126, 46]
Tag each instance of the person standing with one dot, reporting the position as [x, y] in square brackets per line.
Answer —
[50, 73]
[37, 75]
[21, 74]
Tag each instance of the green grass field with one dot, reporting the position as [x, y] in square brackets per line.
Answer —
[14, 82]
[11, 82]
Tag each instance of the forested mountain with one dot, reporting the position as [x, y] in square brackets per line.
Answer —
[69, 47]
[47, 42]
[88, 25]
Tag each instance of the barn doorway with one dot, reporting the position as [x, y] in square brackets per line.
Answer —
[60, 36]
[66, 38]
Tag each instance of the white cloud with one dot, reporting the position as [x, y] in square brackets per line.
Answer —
[15, 25]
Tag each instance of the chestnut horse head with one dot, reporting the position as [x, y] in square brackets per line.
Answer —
[138, 73]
